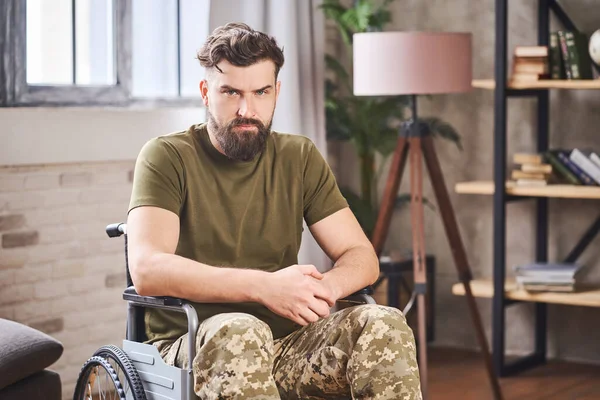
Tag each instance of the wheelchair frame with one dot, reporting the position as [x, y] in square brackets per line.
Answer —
[160, 380]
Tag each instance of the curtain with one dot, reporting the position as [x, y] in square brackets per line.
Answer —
[298, 26]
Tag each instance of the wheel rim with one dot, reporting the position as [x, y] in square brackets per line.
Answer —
[100, 385]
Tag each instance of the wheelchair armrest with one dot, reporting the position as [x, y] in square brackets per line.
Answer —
[131, 295]
[360, 297]
[169, 303]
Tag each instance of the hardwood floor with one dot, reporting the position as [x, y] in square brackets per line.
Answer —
[458, 374]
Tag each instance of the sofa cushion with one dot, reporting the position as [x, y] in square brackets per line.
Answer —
[24, 351]
[45, 385]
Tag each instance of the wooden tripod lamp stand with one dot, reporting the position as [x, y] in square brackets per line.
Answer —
[412, 63]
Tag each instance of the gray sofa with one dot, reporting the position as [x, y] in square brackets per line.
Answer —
[25, 353]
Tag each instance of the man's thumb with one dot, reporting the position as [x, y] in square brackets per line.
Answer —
[311, 270]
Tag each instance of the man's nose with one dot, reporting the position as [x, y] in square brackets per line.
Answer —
[246, 109]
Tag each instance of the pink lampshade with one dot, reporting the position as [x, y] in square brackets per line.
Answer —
[395, 63]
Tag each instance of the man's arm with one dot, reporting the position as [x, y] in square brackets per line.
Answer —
[343, 240]
[156, 270]
[153, 234]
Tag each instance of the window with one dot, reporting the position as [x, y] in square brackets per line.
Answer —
[166, 37]
[101, 52]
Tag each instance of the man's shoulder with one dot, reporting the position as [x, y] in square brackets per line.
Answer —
[171, 143]
[289, 143]
[177, 138]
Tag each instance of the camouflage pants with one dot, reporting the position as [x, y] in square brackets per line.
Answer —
[362, 352]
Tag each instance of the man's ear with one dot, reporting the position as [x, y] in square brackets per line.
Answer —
[277, 88]
[204, 91]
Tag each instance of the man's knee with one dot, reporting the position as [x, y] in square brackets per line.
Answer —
[235, 332]
[380, 326]
[390, 316]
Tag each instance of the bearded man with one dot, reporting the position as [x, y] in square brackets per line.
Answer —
[216, 217]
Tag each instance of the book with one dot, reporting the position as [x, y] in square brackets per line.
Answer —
[579, 59]
[537, 168]
[556, 65]
[516, 174]
[531, 51]
[584, 178]
[541, 287]
[531, 182]
[557, 280]
[548, 270]
[527, 158]
[560, 169]
[564, 52]
[586, 165]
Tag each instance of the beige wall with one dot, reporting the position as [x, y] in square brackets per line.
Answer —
[575, 121]
[65, 173]
[41, 135]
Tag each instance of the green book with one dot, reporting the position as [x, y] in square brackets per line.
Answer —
[564, 53]
[562, 171]
[579, 60]
[557, 68]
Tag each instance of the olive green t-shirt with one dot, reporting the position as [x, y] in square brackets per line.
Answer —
[233, 213]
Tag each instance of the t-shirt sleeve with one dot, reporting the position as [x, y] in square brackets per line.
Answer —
[158, 177]
[322, 196]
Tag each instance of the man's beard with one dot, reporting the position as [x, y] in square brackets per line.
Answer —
[240, 144]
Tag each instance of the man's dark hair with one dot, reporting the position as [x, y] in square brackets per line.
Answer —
[241, 46]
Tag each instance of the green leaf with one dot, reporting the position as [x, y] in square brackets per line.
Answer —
[363, 12]
[340, 71]
[444, 130]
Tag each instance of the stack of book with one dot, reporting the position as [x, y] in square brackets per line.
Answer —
[575, 166]
[530, 170]
[530, 64]
[547, 277]
[566, 57]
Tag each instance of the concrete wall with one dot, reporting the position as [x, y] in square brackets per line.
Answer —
[574, 122]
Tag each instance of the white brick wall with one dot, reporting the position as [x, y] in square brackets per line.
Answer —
[56, 281]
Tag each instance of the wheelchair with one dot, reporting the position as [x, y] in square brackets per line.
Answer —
[136, 371]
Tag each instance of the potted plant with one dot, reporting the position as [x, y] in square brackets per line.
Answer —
[371, 124]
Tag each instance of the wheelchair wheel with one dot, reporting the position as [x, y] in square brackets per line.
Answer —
[126, 372]
[98, 381]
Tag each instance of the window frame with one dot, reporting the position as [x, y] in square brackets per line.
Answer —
[16, 92]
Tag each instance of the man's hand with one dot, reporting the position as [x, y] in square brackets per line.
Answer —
[296, 293]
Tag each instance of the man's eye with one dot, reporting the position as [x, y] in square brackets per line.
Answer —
[261, 92]
[231, 92]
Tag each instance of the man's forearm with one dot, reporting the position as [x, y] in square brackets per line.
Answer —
[165, 274]
[357, 268]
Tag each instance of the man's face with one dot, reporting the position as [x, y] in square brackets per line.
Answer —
[240, 104]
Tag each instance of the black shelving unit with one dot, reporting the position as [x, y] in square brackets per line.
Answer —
[500, 200]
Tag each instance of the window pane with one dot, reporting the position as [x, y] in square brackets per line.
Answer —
[154, 58]
[194, 30]
[94, 42]
[49, 42]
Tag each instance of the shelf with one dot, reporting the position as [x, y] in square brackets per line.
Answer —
[564, 191]
[542, 84]
[589, 296]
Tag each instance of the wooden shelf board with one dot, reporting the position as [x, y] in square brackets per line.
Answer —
[542, 84]
[552, 190]
[588, 296]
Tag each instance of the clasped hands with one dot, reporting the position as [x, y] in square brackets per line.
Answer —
[299, 293]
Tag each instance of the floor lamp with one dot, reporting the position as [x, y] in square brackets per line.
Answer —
[413, 63]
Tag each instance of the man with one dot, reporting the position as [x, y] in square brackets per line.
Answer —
[216, 217]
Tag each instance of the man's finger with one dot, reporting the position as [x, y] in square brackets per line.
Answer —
[323, 293]
[320, 307]
[311, 270]
[309, 315]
